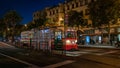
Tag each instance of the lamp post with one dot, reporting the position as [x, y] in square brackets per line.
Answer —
[64, 27]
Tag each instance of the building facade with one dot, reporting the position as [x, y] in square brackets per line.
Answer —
[56, 15]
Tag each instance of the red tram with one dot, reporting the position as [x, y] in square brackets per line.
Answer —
[65, 40]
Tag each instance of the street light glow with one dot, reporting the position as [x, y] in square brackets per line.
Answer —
[8, 29]
[25, 25]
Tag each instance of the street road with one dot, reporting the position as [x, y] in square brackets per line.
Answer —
[6, 62]
[95, 58]
[9, 63]
[84, 58]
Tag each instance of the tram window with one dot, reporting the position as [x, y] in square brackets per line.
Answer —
[70, 35]
[58, 35]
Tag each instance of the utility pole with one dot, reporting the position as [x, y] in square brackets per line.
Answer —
[64, 45]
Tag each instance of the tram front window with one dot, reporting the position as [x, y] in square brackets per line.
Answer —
[70, 35]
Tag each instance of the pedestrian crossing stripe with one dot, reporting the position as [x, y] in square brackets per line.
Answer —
[79, 53]
[109, 52]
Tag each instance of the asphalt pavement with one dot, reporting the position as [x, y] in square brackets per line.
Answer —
[85, 57]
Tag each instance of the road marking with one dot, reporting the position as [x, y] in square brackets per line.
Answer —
[82, 52]
[91, 50]
[31, 65]
[109, 52]
[5, 45]
[96, 52]
[59, 64]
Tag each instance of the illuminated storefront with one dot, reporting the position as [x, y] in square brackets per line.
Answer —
[100, 36]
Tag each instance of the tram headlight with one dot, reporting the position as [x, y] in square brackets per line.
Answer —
[68, 42]
[75, 41]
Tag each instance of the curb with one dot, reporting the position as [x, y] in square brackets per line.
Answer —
[98, 46]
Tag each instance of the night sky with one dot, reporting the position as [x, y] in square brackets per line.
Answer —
[26, 7]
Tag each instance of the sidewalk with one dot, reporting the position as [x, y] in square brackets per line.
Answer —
[100, 46]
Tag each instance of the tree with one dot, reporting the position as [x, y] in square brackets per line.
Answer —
[39, 22]
[18, 29]
[76, 18]
[104, 12]
[11, 19]
[2, 28]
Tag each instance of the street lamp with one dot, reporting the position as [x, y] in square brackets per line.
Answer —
[25, 26]
[8, 29]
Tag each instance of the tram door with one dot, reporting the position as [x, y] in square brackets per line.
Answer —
[58, 43]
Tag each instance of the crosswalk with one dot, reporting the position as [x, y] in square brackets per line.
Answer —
[93, 52]
[98, 52]
[109, 52]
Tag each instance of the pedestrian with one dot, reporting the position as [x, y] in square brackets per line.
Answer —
[110, 42]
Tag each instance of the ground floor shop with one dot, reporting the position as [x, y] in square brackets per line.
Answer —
[99, 36]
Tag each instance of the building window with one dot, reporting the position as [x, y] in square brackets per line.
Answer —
[37, 14]
[86, 32]
[92, 0]
[91, 31]
[72, 5]
[63, 10]
[77, 4]
[53, 12]
[47, 14]
[50, 13]
[81, 2]
[86, 2]
[57, 11]
[68, 8]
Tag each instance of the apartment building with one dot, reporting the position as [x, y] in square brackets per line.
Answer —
[56, 15]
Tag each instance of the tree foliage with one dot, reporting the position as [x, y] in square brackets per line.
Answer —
[12, 19]
[76, 18]
[2, 27]
[102, 12]
[39, 22]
